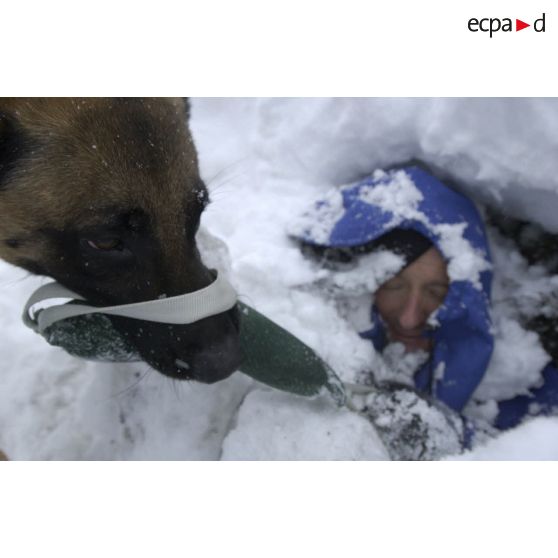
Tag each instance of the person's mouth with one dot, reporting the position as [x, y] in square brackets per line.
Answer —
[413, 341]
[408, 336]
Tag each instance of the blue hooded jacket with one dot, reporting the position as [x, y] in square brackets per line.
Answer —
[463, 342]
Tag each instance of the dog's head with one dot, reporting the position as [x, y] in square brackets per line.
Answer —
[104, 195]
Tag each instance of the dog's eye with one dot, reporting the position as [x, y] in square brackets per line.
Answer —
[106, 245]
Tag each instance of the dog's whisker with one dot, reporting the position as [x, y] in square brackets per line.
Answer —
[15, 281]
[132, 386]
[228, 179]
[217, 199]
[228, 168]
[231, 179]
[175, 388]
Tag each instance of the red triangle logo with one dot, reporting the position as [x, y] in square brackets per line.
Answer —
[519, 25]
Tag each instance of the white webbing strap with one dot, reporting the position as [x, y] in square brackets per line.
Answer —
[188, 308]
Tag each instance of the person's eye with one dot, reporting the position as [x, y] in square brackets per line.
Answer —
[393, 286]
[106, 244]
[438, 292]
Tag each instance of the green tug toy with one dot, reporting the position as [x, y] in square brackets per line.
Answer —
[271, 354]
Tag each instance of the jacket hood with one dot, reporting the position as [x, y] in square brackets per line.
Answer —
[411, 198]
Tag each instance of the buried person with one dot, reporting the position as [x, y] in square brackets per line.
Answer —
[438, 303]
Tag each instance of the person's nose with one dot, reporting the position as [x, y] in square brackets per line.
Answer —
[412, 315]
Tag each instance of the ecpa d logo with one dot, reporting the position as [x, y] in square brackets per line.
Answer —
[492, 25]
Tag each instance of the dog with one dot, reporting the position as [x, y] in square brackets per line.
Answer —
[105, 196]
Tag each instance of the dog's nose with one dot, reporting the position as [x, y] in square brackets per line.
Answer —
[209, 360]
[206, 351]
[215, 363]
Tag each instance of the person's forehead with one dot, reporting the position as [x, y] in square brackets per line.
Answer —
[430, 267]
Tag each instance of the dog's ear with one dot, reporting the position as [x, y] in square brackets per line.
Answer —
[11, 145]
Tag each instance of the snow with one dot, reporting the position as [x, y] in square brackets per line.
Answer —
[496, 148]
[278, 426]
[464, 263]
[265, 162]
[536, 439]
[398, 196]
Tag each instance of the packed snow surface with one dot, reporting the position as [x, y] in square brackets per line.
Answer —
[265, 162]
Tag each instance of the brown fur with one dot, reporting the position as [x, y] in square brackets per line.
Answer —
[80, 170]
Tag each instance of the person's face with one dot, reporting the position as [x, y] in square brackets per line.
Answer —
[406, 301]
